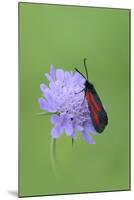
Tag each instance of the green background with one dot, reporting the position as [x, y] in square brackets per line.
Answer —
[64, 35]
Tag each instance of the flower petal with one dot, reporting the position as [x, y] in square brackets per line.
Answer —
[57, 131]
[43, 87]
[52, 86]
[89, 127]
[78, 79]
[60, 75]
[55, 119]
[73, 135]
[48, 94]
[69, 129]
[52, 72]
[79, 128]
[46, 106]
[43, 104]
[67, 78]
[56, 87]
[88, 137]
[49, 77]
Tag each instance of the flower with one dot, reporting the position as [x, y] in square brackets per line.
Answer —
[66, 101]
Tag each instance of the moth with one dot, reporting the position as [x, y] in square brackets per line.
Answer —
[97, 112]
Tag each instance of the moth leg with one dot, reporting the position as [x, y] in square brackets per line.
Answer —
[80, 91]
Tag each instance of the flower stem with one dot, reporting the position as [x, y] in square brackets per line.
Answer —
[72, 142]
[45, 113]
[53, 156]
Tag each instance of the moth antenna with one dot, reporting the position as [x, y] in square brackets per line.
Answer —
[80, 73]
[85, 67]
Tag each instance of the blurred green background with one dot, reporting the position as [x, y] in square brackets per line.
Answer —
[64, 35]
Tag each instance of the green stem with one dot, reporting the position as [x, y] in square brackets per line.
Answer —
[53, 156]
[45, 113]
[72, 142]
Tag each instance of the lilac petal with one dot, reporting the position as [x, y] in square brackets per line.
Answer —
[59, 88]
[49, 77]
[43, 87]
[69, 129]
[48, 94]
[73, 135]
[49, 97]
[88, 137]
[67, 78]
[52, 86]
[45, 106]
[60, 75]
[89, 127]
[52, 72]
[56, 87]
[57, 131]
[59, 85]
[55, 119]
[59, 120]
[79, 128]
[79, 79]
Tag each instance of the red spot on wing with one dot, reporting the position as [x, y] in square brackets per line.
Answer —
[95, 116]
[91, 101]
[96, 106]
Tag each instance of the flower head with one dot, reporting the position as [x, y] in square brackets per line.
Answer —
[64, 97]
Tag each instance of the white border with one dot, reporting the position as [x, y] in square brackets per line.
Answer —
[9, 98]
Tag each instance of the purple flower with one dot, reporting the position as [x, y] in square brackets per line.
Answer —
[64, 98]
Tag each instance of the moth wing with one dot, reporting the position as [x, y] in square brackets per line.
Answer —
[97, 112]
